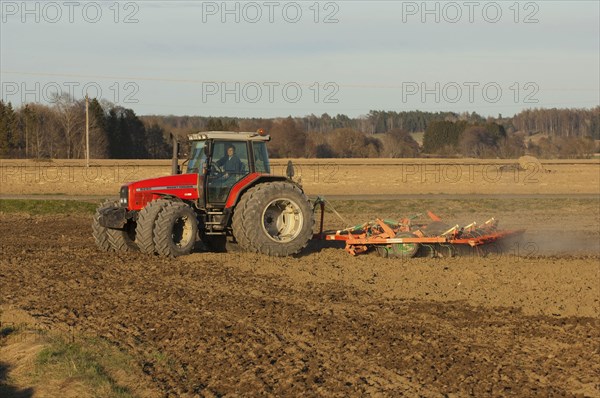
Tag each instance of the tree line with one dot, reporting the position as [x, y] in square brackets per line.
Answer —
[564, 133]
[58, 131]
[567, 122]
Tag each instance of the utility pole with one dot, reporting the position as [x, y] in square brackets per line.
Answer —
[87, 131]
[26, 133]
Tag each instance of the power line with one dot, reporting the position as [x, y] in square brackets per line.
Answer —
[197, 81]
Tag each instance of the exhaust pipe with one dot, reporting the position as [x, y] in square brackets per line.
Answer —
[175, 160]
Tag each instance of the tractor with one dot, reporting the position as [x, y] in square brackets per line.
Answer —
[226, 195]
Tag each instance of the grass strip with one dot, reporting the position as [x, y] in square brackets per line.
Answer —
[46, 207]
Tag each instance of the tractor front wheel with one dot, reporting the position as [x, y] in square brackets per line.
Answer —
[99, 232]
[109, 239]
[175, 230]
[123, 239]
[146, 221]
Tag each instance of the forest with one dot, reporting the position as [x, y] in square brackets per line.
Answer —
[57, 131]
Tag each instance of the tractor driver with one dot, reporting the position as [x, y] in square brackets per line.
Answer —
[230, 163]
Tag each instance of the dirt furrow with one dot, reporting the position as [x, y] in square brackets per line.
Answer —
[208, 325]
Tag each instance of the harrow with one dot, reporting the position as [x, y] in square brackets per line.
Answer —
[406, 237]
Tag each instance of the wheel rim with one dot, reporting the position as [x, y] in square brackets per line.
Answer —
[404, 250]
[282, 220]
[182, 231]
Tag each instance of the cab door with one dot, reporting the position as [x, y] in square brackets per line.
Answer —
[229, 163]
[197, 164]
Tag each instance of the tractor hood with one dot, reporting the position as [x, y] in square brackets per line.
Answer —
[139, 193]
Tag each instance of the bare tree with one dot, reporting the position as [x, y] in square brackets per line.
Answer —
[71, 116]
[399, 143]
[477, 141]
[288, 140]
[349, 143]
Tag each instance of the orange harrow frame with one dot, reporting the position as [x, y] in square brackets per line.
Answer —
[385, 235]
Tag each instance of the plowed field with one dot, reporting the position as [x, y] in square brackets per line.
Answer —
[523, 323]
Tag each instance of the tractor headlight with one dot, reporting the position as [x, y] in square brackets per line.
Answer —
[123, 200]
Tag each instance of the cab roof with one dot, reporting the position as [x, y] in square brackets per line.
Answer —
[229, 136]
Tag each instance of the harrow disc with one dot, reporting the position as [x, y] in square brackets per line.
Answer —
[399, 250]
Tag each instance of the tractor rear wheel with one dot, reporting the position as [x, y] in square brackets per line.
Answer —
[99, 232]
[273, 218]
[175, 230]
[144, 231]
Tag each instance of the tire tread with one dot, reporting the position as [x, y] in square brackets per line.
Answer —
[249, 211]
[144, 232]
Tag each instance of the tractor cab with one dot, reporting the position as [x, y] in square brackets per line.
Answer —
[223, 159]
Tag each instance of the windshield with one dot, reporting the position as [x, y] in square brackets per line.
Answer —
[197, 157]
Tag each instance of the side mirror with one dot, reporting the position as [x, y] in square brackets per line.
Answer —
[289, 170]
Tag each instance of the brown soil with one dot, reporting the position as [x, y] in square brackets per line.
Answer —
[323, 324]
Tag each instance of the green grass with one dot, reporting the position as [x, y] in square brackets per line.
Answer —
[451, 207]
[382, 208]
[85, 361]
[46, 207]
[89, 363]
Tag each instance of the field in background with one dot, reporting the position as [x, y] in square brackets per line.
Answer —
[338, 177]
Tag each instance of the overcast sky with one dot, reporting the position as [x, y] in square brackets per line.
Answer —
[272, 58]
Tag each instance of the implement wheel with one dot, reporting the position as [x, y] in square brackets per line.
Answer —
[399, 250]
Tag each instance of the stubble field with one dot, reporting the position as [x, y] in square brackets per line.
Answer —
[337, 177]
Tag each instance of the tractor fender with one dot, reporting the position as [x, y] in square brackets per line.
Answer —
[246, 183]
[241, 187]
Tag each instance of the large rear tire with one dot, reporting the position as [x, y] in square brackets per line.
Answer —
[144, 231]
[99, 232]
[273, 218]
[175, 230]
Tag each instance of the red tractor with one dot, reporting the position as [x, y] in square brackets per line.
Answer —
[227, 194]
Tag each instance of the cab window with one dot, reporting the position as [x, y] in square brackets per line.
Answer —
[197, 157]
[261, 158]
[229, 164]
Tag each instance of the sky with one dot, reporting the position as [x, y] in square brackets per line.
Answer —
[280, 58]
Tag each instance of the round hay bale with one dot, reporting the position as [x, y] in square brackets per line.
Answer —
[529, 162]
